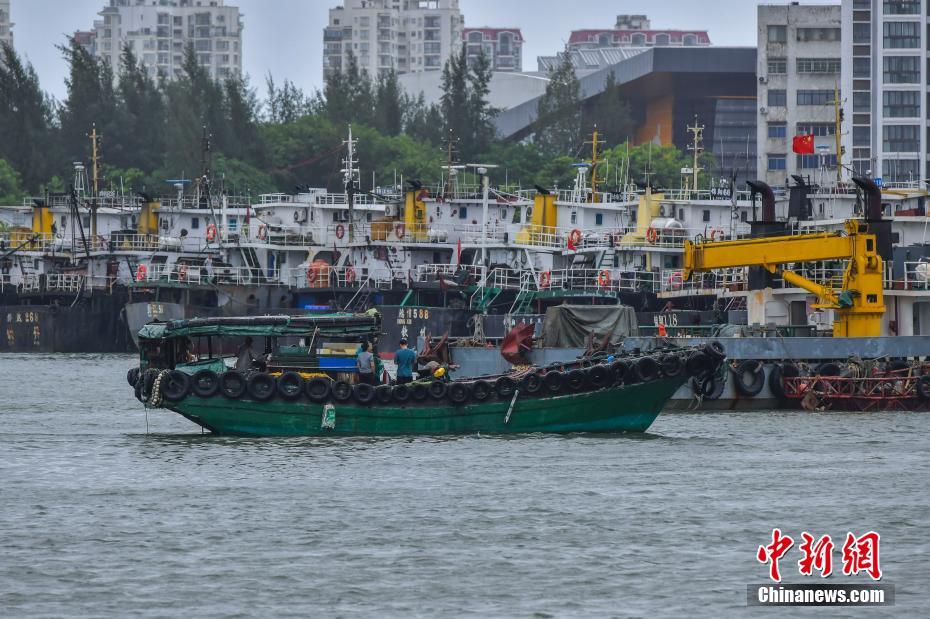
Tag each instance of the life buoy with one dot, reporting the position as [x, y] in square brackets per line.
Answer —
[262, 232]
[340, 231]
[574, 239]
[544, 279]
[141, 272]
[422, 195]
[675, 280]
[652, 235]
[713, 234]
[311, 274]
[182, 273]
[211, 232]
[399, 231]
[350, 275]
[603, 278]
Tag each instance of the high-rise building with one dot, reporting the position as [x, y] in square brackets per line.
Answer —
[635, 31]
[798, 59]
[408, 36]
[6, 26]
[502, 46]
[159, 31]
[885, 47]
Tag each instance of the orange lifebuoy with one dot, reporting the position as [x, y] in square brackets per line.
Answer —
[544, 279]
[311, 274]
[713, 234]
[675, 280]
[422, 195]
[340, 231]
[211, 232]
[350, 275]
[182, 273]
[399, 231]
[603, 278]
[652, 235]
[141, 272]
[262, 232]
[574, 238]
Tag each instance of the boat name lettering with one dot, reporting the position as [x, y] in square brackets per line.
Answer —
[669, 320]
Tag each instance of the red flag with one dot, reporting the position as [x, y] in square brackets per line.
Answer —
[803, 144]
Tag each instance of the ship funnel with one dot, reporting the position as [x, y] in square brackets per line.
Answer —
[873, 197]
[768, 199]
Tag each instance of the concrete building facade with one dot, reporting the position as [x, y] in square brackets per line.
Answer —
[502, 46]
[799, 70]
[408, 36]
[6, 26]
[635, 31]
[885, 46]
[159, 31]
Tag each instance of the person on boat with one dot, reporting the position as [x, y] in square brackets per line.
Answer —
[365, 364]
[405, 359]
[186, 353]
[246, 356]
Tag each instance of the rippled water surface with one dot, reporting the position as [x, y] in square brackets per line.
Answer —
[104, 515]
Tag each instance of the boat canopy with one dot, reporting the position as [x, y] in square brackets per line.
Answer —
[360, 325]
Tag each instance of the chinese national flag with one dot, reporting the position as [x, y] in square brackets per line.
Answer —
[803, 144]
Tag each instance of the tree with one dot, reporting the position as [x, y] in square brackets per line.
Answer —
[285, 104]
[10, 191]
[140, 121]
[241, 106]
[611, 114]
[91, 100]
[454, 103]
[388, 113]
[480, 113]
[559, 110]
[422, 122]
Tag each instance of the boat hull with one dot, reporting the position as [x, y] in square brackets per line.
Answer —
[629, 408]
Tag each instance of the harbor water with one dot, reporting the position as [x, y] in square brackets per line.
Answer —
[108, 512]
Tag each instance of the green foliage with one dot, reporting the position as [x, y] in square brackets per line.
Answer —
[661, 164]
[10, 191]
[466, 114]
[559, 110]
[611, 113]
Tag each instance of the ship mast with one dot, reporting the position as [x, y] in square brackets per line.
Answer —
[697, 149]
[95, 157]
[349, 174]
[838, 116]
[595, 154]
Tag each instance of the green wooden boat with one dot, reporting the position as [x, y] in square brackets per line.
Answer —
[302, 396]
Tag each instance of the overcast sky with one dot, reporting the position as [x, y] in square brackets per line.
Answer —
[285, 36]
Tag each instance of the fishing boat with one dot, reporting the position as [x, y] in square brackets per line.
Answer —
[305, 384]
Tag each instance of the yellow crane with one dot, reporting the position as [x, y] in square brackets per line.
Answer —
[859, 305]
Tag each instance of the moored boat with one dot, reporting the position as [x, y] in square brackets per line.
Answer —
[305, 384]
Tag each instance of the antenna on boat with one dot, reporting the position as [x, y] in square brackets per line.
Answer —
[350, 180]
[481, 169]
[697, 149]
[595, 154]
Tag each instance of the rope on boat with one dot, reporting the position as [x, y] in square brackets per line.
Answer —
[155, 398]
[513, 401]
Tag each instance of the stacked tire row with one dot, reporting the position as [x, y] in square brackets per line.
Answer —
[291, 386]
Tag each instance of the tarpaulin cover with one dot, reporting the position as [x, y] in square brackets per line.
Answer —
[368, 325]
[568, 326]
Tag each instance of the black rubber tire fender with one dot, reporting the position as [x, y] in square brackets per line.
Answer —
[505, 386]
[132, 376]
[828, 368]
[148, 381]
[419, 391]
[363, 393]
[458, 393]
[531, 384]
[260, 387]
[438, 389]
[576, 380]
[698, 364]
[749, 376]
[383, 394]
[232, 384]
[599, 376]
[318, 389]
[777, 376]
[481, 390]
[897, 365]
[715, 351]
[672, 365]
[290, 386]
[342, 391]
[709, 387]
[205, 384]
[647, 369]
[620, 371]
[175, 386]
[923, 388]
[400, 393]
[553, 382]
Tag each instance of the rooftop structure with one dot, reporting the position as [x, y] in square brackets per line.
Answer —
[159, 32]
[6, 26]
[407, 36]
[502, 46]
[635, 31]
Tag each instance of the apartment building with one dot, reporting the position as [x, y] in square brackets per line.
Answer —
[408, 36]
[635, 31]
[160, 30]
[502, 46]
[6, 26]
[885, 46]
[799, 70]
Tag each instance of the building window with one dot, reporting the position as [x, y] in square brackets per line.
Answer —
[818, 65]
[816, 129]
[662, 39]
[901, 69]
[862, 32]
[862, 102]
[815, 97]
[778, 34]
[776, 162]
[818, 34]
[901, 34]
[778, 130]
[778, 66]
[812, 162]
[901, 7]
[195, 223]
[861, 136]
[900, 138]
[639, 40]
[900, 104]
[705, 216]
[862, 67]
[778, 98]
[900, 169]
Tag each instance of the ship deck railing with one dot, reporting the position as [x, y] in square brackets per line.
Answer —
[66, 244]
